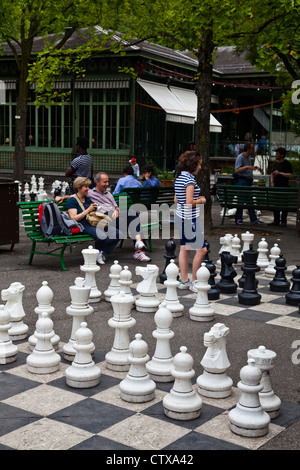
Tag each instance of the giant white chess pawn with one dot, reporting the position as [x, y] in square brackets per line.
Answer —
[182, 403]
[117, 357]
[202, 309]
[8, 351]
[44, 297]
[83, 373]
[90, 268]
[236, 248]
[137, 387]
[262, 260]
[161, 364]
[264, 359]
[43, 359]
[125, 280]
[114, 286]
[248, 418]
[14, 304]
[270, 270]
[78, 310]
[171, 283]
[214, 382]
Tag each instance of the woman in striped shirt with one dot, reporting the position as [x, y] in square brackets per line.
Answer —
[187, 220]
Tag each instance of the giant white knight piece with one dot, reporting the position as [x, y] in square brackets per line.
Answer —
[161, 364]
[90, 268]
[171, 298]
[79, 311]
[182, 402]
[214, 382]
[248, 418]
[14, 305]
[122, 321]
[147, 288]
[83, 373]
[264, 359]
[202, 309]
[137, 387]
[44, 298]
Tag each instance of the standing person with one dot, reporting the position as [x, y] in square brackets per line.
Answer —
[135, 166]
[244, 177]
[103, 198]
[283, 170]
[82, 164]
[151, 180]
[187, 221]
[127, 181]
[78, 206]
[262, 145]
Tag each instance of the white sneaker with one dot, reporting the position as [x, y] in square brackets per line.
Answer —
[141, 256]
[193, 287]
[139, 245]
[101, 258]
[184, 285]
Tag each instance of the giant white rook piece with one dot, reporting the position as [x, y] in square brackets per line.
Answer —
[44, 297]
[117, 357]
[182, 402]
[83, 373]
[274, 254]
[43, 359]
[264, 359]
[14, 305]
[214, 382]
[114, 286]
[247, 239]
[161, 364]
[78, 310]
[8, 351]
[90, 268]
[262, 260]
[138, 387]
[171, 283]
[202, 310]
[248, 418]
[147, 288]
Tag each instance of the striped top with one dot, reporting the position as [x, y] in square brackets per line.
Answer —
[183, 210]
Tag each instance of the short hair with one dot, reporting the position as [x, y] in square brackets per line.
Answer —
[247, 146]
[128, 170]
[98, 175]
[83, 142]
[281, 150]
[148, 169]
[79, 182]
[188, 161]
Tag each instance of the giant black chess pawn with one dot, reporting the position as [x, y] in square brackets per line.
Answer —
[293, 297]
[227, 273]
[206, 257]
[169, 254]
[214, 292]
[280, 282]
[249, 294]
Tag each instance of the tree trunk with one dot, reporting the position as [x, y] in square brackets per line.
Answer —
[202, 135]
[20, 139]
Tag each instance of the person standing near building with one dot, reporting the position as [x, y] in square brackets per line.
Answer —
[82, 164]
[244, 177]
[283, 170]
[188, 200]
[135, 166]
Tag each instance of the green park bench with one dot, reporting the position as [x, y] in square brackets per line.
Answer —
[257, 197]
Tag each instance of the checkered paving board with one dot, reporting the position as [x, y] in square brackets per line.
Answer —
[41, 412]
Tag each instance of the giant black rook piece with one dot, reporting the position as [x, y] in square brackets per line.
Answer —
[293, 297]
[249, 295]
[227, 273]
[280, 282]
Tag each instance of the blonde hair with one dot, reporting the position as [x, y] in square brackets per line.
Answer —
[79, 182]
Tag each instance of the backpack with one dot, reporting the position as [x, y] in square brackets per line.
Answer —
[51, 220]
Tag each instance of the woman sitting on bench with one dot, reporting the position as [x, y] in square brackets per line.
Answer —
[105, 240]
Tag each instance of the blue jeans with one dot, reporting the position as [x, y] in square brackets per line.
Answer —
[104, 240]
[239, 211]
